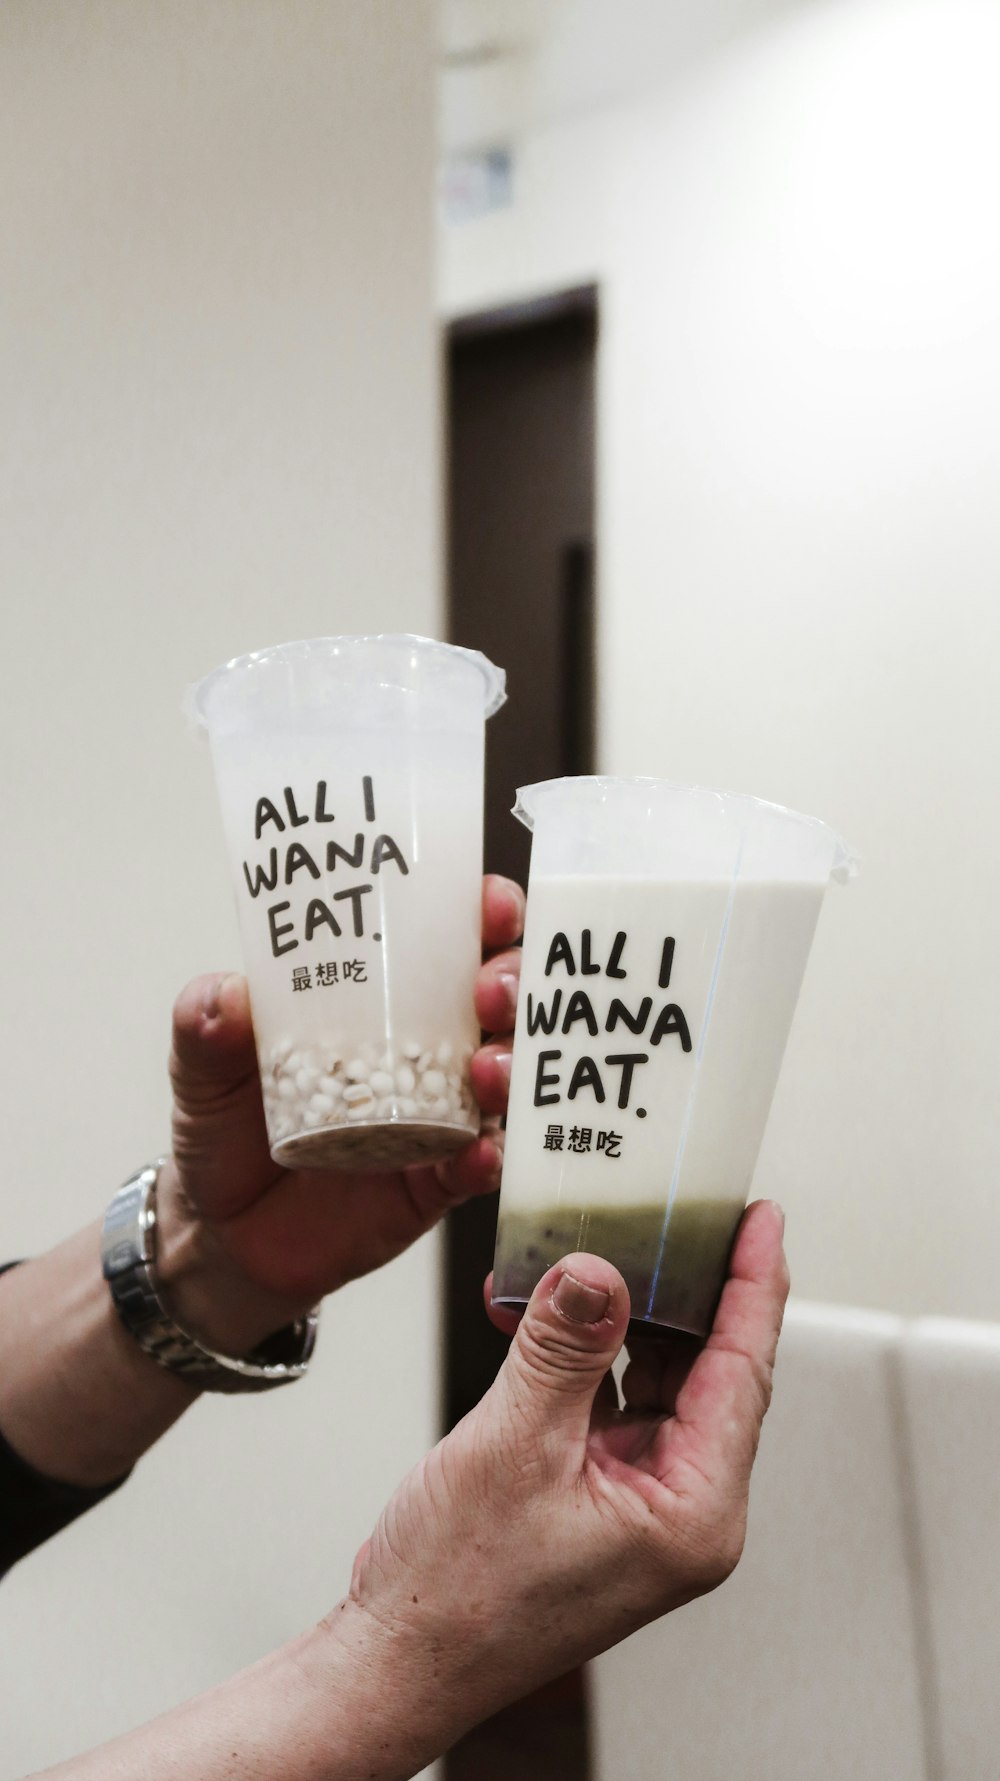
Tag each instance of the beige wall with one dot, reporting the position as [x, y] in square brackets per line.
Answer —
[219, 420]
[800, 545]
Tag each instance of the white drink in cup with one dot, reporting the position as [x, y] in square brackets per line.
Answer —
[350, 777]
[667, 933]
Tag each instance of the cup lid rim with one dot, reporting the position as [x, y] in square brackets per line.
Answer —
[494, 678]
[846, 862]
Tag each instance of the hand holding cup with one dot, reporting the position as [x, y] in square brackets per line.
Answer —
[258, 1244]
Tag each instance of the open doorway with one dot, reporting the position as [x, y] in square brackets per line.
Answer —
[520, 480]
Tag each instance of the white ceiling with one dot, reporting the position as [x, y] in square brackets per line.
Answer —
[471, 30]
[512, 65]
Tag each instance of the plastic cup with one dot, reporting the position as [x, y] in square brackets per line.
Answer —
[667, 932]
[350, 777]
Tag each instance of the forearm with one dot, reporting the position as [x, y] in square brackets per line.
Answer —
[78, 1398]
[342, 1703]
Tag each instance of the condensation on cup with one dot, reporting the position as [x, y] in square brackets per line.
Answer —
[667, 933]
[350, 778]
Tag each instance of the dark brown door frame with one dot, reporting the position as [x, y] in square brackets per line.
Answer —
[552, 306]
[547, 1735]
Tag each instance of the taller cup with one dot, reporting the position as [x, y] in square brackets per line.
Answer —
[667, 933]
[350, 776]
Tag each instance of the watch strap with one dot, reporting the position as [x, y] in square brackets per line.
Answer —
[128, 1258]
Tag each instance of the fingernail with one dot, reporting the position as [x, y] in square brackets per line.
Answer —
[515, 902]
[510, 986]
[780, 1215]
[492, 1162]
[503, 1063]
[578, 1301]
[212, 999]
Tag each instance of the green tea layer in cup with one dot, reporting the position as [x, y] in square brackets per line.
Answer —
[674, 1278]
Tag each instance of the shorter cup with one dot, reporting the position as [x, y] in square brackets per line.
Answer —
[667, 932]
[350, 775]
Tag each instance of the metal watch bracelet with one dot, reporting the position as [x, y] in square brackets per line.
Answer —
[128, 1258]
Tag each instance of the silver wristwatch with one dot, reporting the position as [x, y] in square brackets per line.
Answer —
[128, 1257]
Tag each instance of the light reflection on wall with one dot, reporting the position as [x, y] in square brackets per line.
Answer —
[800, 454]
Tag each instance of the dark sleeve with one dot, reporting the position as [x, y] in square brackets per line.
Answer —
[33, 1507]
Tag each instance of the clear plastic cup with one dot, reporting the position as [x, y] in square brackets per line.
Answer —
[667, 932]
[350, 777]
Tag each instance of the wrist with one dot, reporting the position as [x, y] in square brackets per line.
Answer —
[398, 1687]
[207, 1293]
[79, 1400]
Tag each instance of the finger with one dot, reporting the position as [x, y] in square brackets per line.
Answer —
[429, 1190]
[503, 911]
[474, 1170]
[496, 991]
[219, 1135]
[564, 1345]
[505, 1318]
[721, 1406]
[658, 1366]
[489, 1070]
[213, 1041]
[328, 1226]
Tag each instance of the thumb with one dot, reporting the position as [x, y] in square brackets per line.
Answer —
[213, 1043]
[219, 1137]
[569, 1336]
